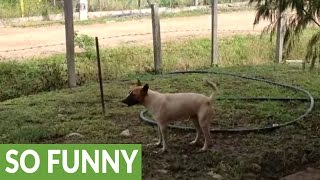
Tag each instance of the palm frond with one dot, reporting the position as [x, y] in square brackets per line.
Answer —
[300, 13]
[265, 11]
[313, 50]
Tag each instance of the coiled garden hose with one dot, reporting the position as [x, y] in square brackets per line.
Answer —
[309, 99]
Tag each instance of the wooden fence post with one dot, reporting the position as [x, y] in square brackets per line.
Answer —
[68, 14]
[139, 6]
[195, 2]
[214, 32]
[22, 7]
[280, 37]
[156, 37]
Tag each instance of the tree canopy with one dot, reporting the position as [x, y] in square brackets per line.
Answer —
[299, 15]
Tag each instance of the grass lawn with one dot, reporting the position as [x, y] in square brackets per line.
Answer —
[49, 116]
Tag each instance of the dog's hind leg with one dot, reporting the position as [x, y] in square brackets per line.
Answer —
[198, 129]
[204, 120]
[207, 140]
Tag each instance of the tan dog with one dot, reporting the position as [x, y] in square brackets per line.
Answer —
[167, 108]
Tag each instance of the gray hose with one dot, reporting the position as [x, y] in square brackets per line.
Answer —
[309, 99]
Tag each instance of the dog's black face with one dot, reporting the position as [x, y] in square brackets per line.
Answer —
[136, 96]
[130, 100]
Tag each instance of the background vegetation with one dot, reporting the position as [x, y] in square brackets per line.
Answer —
[12, 8]
[45, 74]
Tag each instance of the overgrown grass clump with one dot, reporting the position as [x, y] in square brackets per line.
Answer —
[18, 79]
[46, 74]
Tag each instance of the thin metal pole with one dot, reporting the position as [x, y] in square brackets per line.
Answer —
[100, 76]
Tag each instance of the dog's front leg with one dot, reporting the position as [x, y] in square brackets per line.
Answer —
[163, 130]
[199, 131]
[159, 136]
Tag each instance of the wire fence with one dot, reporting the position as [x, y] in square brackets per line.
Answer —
[137, 34]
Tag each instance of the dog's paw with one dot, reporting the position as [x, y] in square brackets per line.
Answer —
[202, 150]
[193, 142]
[157, 144]
[161, 151]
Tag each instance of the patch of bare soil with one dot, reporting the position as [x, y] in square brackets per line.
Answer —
[269, 155]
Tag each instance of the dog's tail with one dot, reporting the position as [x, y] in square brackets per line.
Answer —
[214, 87]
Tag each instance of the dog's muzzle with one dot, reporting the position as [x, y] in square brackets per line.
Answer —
[130, 101]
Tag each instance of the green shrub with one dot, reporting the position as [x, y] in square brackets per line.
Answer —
[86, 43]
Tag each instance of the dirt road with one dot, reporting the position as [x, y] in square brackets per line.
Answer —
[19, 38]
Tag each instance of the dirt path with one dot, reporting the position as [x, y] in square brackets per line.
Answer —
[20, 38]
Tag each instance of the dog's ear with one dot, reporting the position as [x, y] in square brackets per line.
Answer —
[139, 82]
[145, 88]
